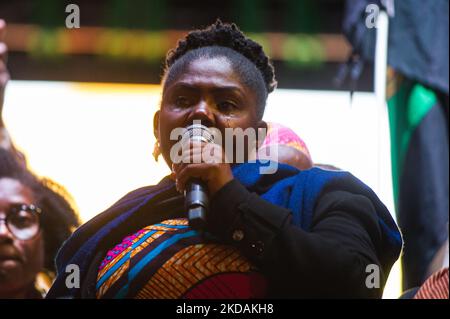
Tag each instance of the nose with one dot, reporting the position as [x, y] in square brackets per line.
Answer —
[203, 111]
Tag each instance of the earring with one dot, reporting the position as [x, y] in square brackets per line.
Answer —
[156, 151]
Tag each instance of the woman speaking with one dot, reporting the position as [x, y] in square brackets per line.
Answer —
[290, 234]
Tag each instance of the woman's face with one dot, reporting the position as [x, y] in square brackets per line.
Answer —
[209, 91]
[20, 260]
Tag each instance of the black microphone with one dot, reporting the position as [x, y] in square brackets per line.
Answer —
[196, 192]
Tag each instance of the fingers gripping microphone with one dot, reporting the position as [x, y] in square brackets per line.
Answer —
[196, 192]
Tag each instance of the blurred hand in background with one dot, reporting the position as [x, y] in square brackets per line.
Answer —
[4, 74]
[5, 141]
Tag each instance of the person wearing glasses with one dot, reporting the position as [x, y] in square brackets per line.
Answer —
[34, 222]
[36, 215]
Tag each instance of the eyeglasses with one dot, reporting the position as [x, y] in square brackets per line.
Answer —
[23, 221]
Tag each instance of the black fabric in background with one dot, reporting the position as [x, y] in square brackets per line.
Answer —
[423, 196]
[418, 38]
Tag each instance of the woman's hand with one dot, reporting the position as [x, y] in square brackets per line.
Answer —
[209, 166]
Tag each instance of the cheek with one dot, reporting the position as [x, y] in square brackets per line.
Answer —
[244, 121]
[34, 253]
[169, 120]
[164, 125]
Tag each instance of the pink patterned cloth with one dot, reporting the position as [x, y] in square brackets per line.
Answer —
[116, 251]
[282, 135]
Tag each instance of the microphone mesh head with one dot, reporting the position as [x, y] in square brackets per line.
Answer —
[198, 132]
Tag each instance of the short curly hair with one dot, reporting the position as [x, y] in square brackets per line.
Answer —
[224, 39]
[59, 217]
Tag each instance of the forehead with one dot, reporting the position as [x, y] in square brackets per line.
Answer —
[209, 73]
[13, 191]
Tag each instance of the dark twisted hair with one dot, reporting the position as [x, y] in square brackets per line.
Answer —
[223, 39]
[58, 218]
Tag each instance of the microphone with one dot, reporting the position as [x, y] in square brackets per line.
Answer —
[196, 192]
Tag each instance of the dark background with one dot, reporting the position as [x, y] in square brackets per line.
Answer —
[310, 17]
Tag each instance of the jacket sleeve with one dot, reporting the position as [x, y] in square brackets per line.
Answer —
[337, 257]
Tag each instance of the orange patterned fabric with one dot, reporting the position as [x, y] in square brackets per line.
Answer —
[190, 266]
[170, 260]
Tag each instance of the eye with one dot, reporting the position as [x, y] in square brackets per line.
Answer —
[227, 106]
[22, 219]
[182, 102]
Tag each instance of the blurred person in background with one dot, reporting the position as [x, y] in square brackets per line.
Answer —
[34, 222]
[291, 149]
[36, 214]
[417, 93]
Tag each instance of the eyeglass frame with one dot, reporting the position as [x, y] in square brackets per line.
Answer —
[27, 208]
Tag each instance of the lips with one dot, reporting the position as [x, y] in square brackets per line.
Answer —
[10, 256]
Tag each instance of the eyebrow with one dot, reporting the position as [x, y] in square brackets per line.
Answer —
[188, 86]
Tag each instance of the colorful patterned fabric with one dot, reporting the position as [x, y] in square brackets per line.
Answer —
[170, 260]
[290, 188]
[278, 134]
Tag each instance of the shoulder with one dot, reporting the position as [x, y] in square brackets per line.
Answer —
[341, 193]
[320, 183]
[340, 190]
[92, 227]
[128, 201]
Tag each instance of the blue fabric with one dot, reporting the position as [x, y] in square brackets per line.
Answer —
[288, 187]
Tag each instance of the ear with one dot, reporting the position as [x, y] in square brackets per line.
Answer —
[156, 125]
